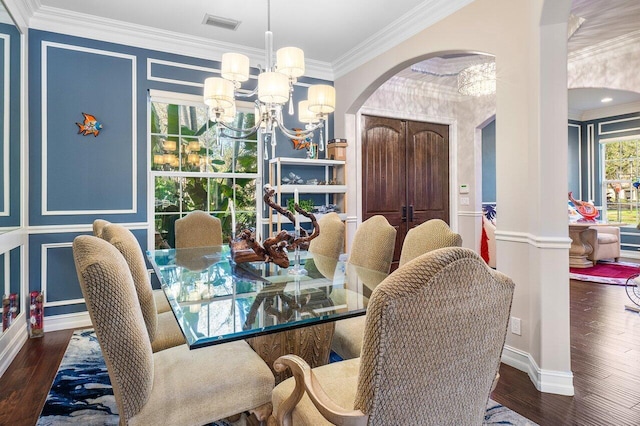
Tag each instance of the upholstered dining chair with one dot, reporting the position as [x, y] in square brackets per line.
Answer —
[162, 304]
[433, 339]
[328, 244]
[176, 386]
[198, 229]
[371, 253]
[163, 329]
[430, 235]
[98, 225]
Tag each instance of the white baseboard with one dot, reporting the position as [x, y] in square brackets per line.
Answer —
[16, 335]
[549, 381]
[67, 321]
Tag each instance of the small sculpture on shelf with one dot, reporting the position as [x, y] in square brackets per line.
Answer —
[274, 249]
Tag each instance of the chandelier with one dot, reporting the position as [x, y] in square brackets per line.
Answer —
[274, 90]
[478, 80]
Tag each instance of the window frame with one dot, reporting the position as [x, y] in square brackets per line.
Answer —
[193, 100]
[604, 182]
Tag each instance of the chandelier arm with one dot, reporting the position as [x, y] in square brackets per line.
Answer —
[297, 135]
[245, 132]
[246, 95]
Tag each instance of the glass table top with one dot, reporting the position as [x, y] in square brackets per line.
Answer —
[216, 300]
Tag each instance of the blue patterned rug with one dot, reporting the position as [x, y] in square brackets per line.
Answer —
[81, 392]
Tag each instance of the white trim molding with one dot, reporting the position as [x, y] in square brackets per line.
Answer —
[12, 341]
[67, 321]
[550, 381]
[134, 187]
[76, 228]
[44, 279]
[534, 240]
[6, 139]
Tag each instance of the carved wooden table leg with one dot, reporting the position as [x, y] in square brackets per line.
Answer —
[312, 343]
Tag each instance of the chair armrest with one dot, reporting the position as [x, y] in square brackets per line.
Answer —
[614, 230]
[306, 381]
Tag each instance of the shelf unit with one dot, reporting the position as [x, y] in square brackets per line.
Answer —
[327, 170]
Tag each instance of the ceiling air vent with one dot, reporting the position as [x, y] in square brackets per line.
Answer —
[220, 22]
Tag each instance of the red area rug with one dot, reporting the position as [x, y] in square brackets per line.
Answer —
[606, 272]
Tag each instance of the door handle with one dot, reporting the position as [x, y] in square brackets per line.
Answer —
[404, 213]
[411, 213]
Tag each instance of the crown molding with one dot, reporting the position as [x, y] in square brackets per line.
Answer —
[408, 25]
[76, 24]
[605, 46]
[611, 111]
[21, 11]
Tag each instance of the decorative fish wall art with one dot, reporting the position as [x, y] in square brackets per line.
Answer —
[90, 126]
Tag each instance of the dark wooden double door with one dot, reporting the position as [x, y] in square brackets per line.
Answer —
[405, 173]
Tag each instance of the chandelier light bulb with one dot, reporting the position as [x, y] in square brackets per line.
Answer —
[322, 98]
[218, 92]
[235, 67]
[290, 61]
[304, 114]
[273, 88]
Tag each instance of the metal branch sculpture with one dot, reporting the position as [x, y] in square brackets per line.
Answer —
[274, 249]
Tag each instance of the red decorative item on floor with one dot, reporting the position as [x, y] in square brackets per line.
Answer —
[36, 313]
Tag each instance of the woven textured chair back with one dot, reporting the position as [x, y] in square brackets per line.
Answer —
[127, 244]
[329, 244]
[430, 235]
[113, 306]
[198, 229]
[433, 337]
[373, 244]
[98, 225]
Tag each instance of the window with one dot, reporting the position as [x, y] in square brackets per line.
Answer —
[621, 168]
[196, 167]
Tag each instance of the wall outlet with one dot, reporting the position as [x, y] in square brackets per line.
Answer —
[515, 326]
[464, 201]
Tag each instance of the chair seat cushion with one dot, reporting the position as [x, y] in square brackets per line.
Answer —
[168, 333]
[195, 387]
[339, 380]
[347, 338]
[162, 304]
[607, 238]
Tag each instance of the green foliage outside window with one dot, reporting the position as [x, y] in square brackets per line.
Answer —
[197, 168]
[621, 170]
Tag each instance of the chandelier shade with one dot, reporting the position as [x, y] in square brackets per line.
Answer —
[478, 80]
[305, 115]
[218, 92]
[235, 67]
[322, 98]
[273, 88]
[290, 61]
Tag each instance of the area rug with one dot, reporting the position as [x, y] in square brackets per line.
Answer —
[81, 392]
[606, 272]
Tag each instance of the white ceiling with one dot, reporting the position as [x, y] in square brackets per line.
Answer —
[332, 32]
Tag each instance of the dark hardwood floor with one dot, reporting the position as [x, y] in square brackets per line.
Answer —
[605, 352]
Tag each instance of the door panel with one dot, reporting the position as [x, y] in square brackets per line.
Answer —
[383, 171]
[427, 172]
[405, 173]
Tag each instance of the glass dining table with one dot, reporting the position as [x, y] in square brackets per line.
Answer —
[277, 310]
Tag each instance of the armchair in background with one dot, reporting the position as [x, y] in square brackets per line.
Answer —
[605, 243]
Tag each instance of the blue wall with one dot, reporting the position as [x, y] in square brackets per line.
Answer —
[489, 163]
[12, 44]
[75, 179]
